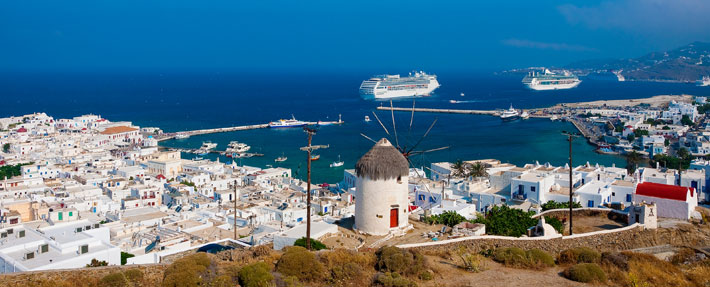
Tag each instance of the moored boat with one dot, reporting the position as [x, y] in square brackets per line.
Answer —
[287, 123]
[337, 163]
[509, 114]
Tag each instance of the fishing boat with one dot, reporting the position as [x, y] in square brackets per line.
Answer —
[315, 157]
[525, 115]
[282, 158]
[337, 163]
[367, 118]
[509, 114]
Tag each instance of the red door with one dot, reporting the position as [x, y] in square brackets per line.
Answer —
[394, 218]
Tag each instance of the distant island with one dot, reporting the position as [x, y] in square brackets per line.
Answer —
[688, 63]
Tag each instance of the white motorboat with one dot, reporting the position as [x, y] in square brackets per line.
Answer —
[510, 114]
[337, 163]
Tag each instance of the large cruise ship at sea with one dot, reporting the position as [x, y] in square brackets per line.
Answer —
[394, 86]
[550, 81]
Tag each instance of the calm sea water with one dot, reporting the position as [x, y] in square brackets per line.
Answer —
[183, 101]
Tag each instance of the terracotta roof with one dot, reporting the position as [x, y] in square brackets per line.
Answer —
[673, 192]
[160, 176]
[118, 130]
[22, 130]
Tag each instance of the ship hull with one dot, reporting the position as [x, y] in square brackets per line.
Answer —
[552, 87]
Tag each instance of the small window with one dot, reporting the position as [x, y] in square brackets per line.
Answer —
[613, 193]
[399, 179]
[532, 188]
[70, 214]
[44, 248]
[29, 255]
[84, 249]
[10, 231]
[3, 235]
[21, 233]
[96, 225]
[78, 229]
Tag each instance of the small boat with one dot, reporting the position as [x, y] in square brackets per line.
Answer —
[553, 118]
[337, 163]
[462, 94]
[525, 115]
[605, 149]
[282, 158]
[454, 101]
[237, 147]
[704, 82]
[510, 114]
[208, 145]
[367, 118]
[315, 157]
[181, 136]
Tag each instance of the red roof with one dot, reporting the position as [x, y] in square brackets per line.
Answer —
[160, 176]
[22, 130]
[673, 192]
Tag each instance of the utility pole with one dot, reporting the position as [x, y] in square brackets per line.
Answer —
[571, 184]
[309, 149]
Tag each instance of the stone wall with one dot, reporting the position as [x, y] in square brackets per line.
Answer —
[635, 237]
[152, 276]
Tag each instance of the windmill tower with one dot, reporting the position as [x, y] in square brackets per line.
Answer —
[381, 190]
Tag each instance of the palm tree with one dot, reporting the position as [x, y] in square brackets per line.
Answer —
[477, 169]
[459, 169]
[632, 160]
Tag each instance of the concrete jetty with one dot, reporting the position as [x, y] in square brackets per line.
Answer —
[167, 136]
[445, 111]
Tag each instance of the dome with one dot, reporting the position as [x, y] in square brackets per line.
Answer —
[382, 162]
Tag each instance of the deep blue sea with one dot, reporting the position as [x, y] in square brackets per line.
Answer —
[184, 101]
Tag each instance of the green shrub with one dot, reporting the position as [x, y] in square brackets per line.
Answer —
[391, 279]
[261, 250]
[97, 263]
[222, 281]
[114, 280]
[540, 259]
[448, 218]
[345, 266]
[134, 275]
[125, 256]
[301, 263]
[393, 259]
[256, 275]
[190, 270]
[292, 281]
[511, 256]
[585, 272]
[559, 205]
[426, 276]
[470, 261]
[506, 221]
[315, 244]
[555, 223]
[579, 255]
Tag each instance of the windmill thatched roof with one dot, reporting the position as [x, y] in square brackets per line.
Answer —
[382, 162]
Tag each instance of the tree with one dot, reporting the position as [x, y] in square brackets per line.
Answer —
[459, 169]
[6, 147]
[666, 142]
[477, 169]
[632, 161]
[630, 137]
[686, 121]
[506, 221]
[551, 204]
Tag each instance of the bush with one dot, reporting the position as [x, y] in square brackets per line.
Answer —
[426, 276]
[291, 281]
[255, 275]
[261, 250]
[97, 263]
[585, 272]
[684, 255]
[190, 270]
[471, 262]
[511, 256]
[345, 266]
[114, 280]
[315, 244]
[516, 257]
[539, 259]
[391, 279]
[134, 275]
[555, 223]
[559, 205]
[448, 218]
[506, 221]
[125, 256]
[301, 263]
[579, 255]
[393, 259]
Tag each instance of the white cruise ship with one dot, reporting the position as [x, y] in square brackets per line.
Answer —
[394, 86]
[550, 81]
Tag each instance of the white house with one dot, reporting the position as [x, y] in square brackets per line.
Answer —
[672, 201]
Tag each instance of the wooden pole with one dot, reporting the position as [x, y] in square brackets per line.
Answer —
[308, 196]
[571, 184]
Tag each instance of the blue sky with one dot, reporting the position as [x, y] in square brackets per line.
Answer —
[337, 35]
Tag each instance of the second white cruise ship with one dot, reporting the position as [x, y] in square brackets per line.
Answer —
[550, 81]
[394, 86]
